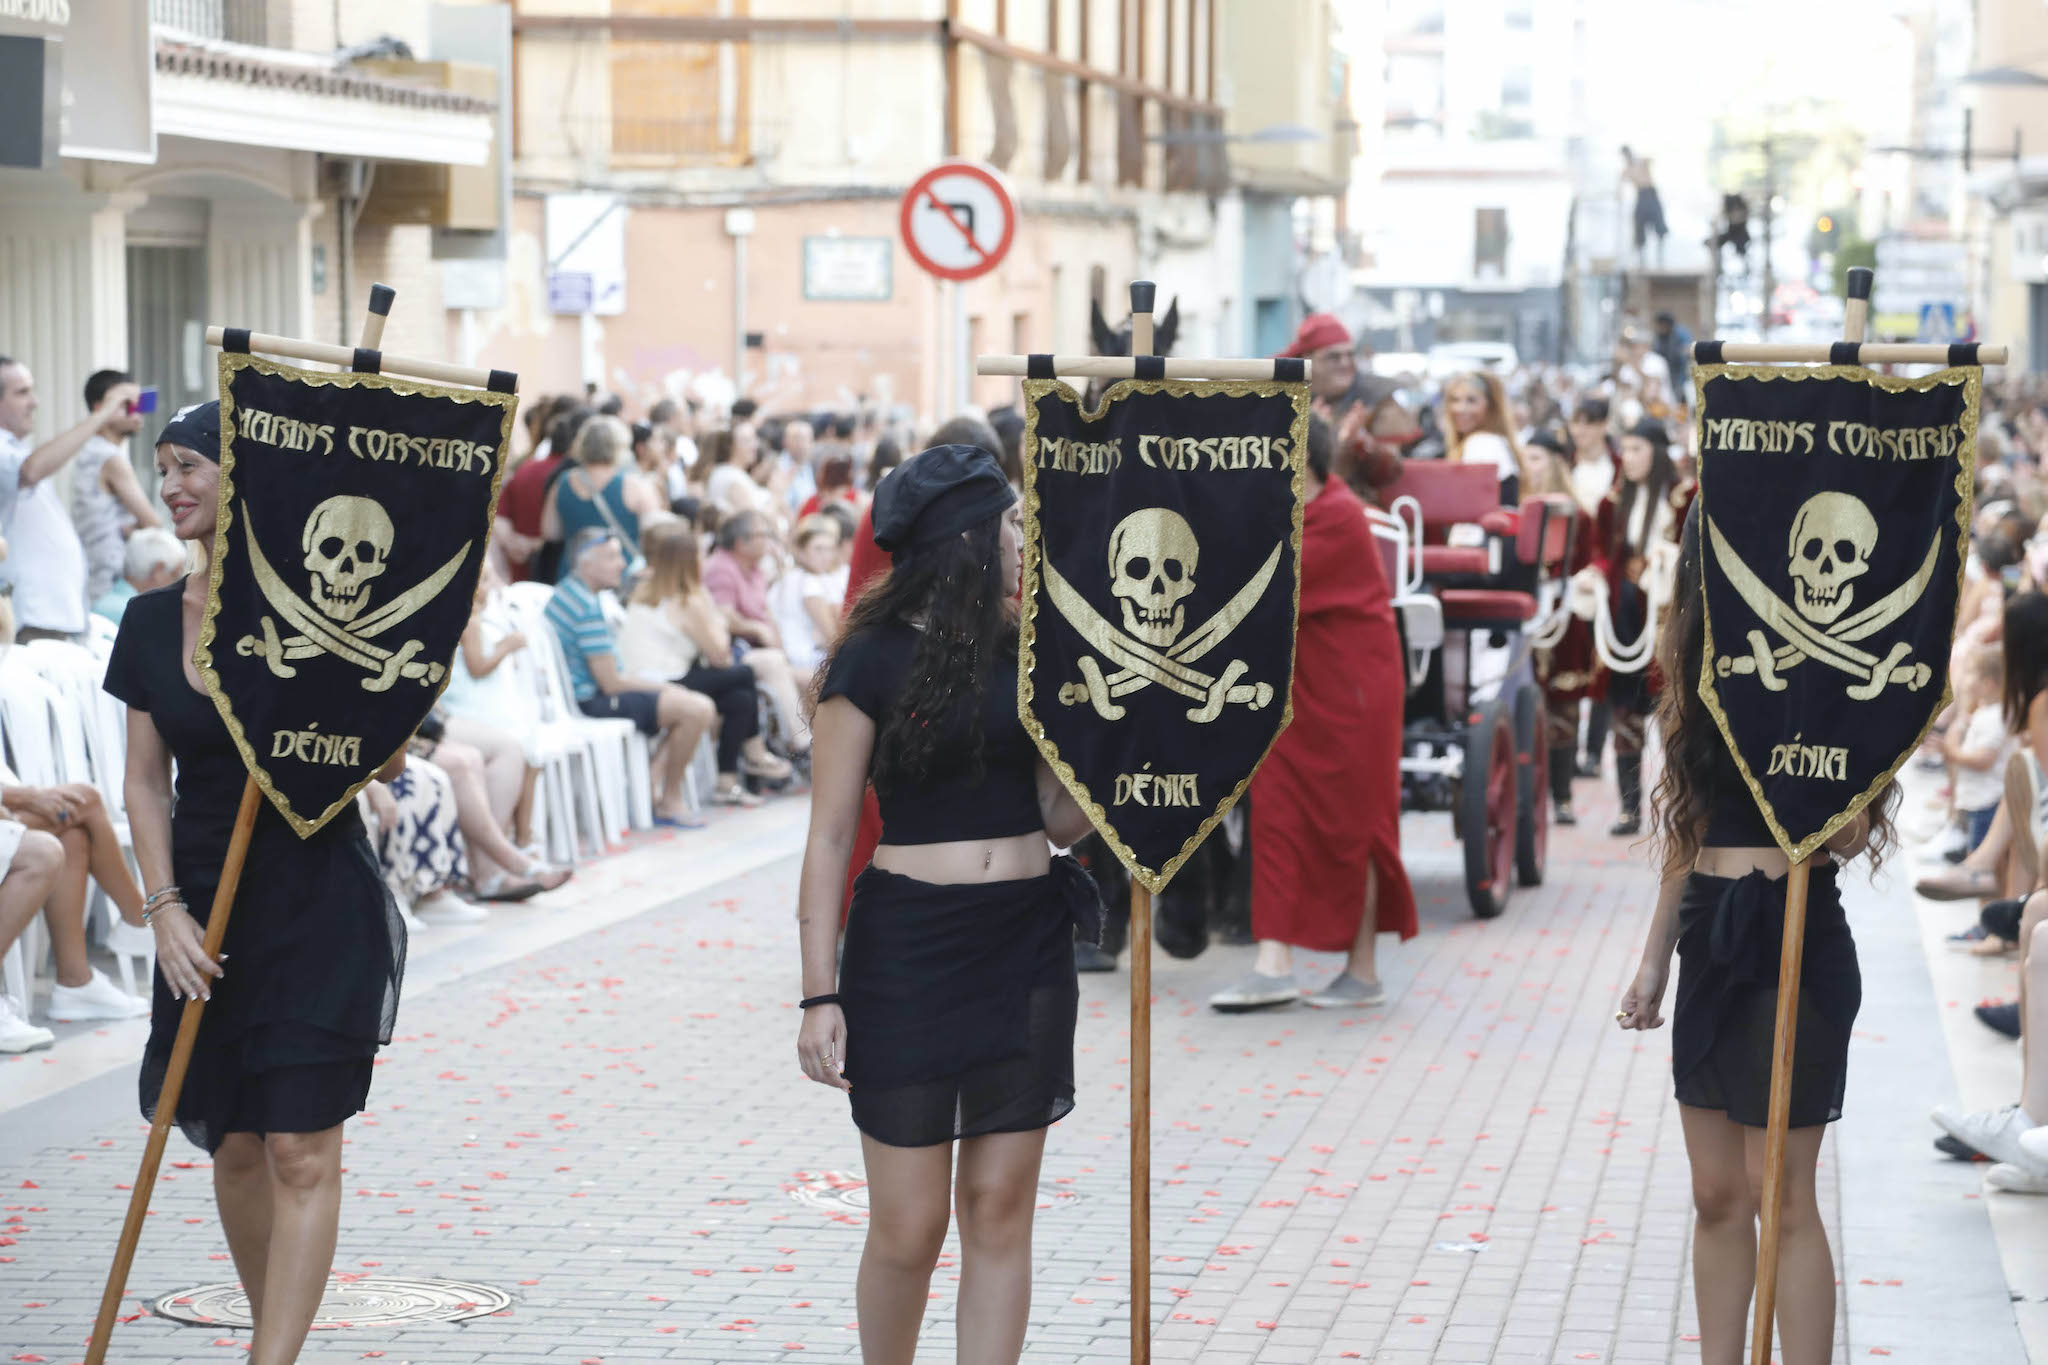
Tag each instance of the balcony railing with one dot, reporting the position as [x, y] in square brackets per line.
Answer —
[234, 21]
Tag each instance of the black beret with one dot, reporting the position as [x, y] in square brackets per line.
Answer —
[196, 427]
[1653, 431]
[937, 493]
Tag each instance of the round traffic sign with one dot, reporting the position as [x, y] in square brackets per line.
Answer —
[957, 220]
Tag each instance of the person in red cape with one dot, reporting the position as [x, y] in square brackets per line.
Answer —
[1326, 804]
[1570, 670]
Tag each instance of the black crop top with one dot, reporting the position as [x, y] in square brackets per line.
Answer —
[1733, 820]
[869, 671]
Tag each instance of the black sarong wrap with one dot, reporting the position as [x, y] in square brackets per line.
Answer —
[960, 1002]
[1731, 932]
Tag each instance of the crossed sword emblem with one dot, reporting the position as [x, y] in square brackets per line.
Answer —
[1141, 665]
[320, 634]
[1834, 646]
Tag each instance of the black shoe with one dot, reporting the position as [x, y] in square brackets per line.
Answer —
[2003, 1018]
[1563, 814]
[1089, 958]
[1626, 827]
[1180, 926]
[1949, 1145]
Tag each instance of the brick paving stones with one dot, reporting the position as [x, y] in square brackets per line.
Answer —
[613, 1130]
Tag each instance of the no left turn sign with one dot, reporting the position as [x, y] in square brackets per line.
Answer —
[957, 220]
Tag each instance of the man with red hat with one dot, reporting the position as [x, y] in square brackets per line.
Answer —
[1358, 404]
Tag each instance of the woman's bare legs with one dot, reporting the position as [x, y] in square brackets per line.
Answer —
[1363, 964]
[1727, 1183]
[996, 1192]
[684, 717]
[25, 883]
[305, 1194]
[241, 1191]
[1806, 1265]
[522, 810]
[1723, 1233]
[909, 1193]
[774, 675]
[490, 852]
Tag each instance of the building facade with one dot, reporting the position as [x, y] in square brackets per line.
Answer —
[707, 190]
[248, 133]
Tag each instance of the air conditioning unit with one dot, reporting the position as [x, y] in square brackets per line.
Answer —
[462, 197]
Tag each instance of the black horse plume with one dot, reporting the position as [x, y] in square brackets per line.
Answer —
[1117, 340]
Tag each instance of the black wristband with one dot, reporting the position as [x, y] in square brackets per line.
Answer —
[831, 999]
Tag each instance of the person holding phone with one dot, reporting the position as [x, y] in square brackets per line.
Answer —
[107, 501]
[45, 565]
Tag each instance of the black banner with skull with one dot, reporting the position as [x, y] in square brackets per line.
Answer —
[1835, 513]
[1162, 545]
[354, 514]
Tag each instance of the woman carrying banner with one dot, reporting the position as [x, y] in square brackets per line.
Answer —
[1643, 511]
[1569, 670]
[954, 1016]
[315, 942]
[1721, 906]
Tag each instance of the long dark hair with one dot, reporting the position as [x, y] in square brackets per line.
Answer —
[953, 590]
[1657, 486]
[1697, 766]
[2026, 656]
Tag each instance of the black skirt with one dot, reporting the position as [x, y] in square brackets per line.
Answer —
[1723, 1026]
[960, 1003]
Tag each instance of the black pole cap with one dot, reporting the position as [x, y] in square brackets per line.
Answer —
[1142, 294]
[381, 299]
[1861, 278]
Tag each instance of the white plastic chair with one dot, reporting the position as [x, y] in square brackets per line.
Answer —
[564, 734]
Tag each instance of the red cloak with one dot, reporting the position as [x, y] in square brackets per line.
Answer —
[1326, 805]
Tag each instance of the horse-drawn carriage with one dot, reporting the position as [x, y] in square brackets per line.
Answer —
[1476, 586]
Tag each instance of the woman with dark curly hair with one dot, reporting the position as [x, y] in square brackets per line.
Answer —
[953, 1020]
[1722, 908]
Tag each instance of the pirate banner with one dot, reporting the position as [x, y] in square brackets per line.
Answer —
[354, 511]
[1835, 508]
[1162, 542]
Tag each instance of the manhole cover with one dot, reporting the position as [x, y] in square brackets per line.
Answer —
[364, 1302]
[842, 1192]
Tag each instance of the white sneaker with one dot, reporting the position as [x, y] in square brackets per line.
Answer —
[445, 907]
[17, 1034]
[2017, 1178]
[1994, 1132]
[98, 998]
[2034, 1146]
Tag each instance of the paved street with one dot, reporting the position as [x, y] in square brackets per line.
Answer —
[591, 1107]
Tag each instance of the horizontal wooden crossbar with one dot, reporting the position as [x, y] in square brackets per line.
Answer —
[440, 372]
[1126, 367]
[1823, 353]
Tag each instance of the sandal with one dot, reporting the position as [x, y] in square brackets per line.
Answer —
[735, 795]
[770, 769]
[504, 887]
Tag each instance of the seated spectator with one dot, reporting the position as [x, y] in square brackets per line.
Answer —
[484, 779]
[723, 467]
[1977, 742]
[601, 490]
[675, 633]
[807, 599]
[30, 864]
[1477, 429]
[737, 575]
[517, 537]
[107, 501]
[848, 523]
[419, 845]
[77, 819]
[45, 565]
[835, 484]
[485, 693]
[654, 455]
[888, 454]
[153, 558]
[672, 716]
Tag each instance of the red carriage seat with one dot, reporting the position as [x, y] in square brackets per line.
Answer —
[1542, 547]
[1451, 495]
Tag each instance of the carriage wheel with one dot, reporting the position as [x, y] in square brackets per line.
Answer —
[1532, 789]
[1487, 815]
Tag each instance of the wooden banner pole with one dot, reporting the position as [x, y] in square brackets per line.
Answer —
[435, 371]
[381, 297]
[174, 1081]
[1855, 317]
[1142, 298]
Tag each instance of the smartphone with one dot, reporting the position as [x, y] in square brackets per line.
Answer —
[143, 402]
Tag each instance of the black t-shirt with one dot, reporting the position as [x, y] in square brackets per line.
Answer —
[869, 670]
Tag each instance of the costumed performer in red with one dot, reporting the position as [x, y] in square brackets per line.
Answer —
[1326, 804]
